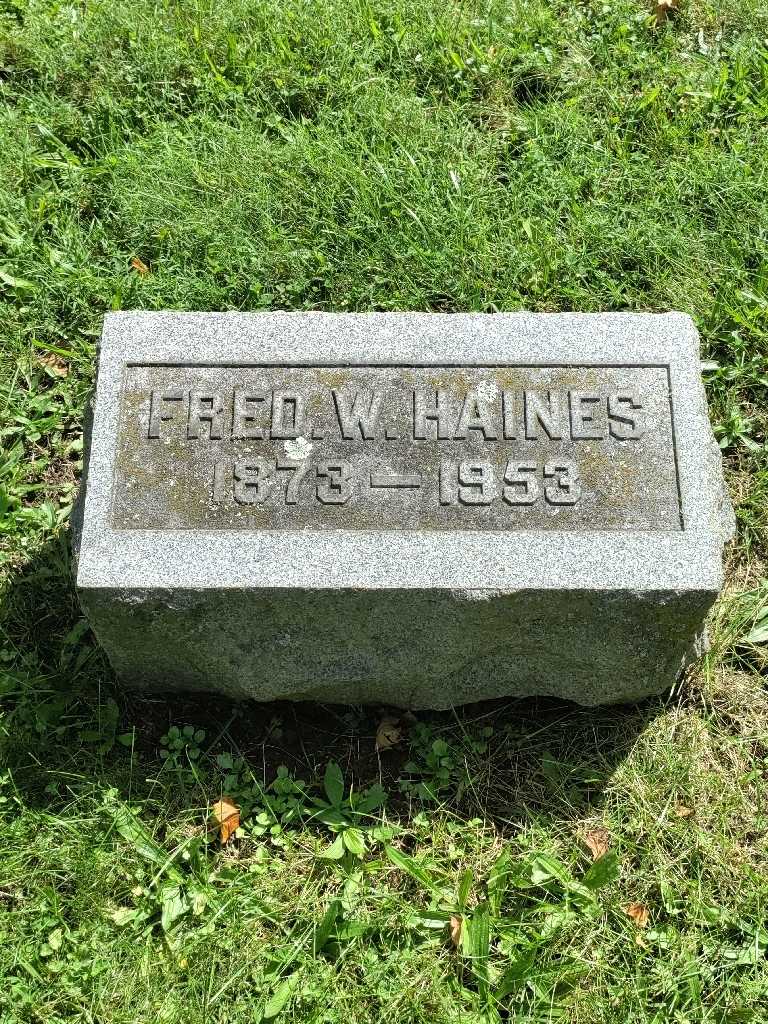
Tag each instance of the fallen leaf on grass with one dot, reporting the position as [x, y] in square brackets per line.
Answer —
[663, 9]
[598, 842]
[639, 913]
[455, 930]
[55, 364]
[389, 733]
[139, 266]
[226, 817]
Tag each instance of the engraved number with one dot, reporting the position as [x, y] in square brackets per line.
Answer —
[447, 483]
[477, 483]
[298, 471]
[253, 481]
[334, 482]
[222, 481]
[567, 487]
[522, 486]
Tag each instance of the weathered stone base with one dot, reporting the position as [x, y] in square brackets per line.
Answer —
[407, 648]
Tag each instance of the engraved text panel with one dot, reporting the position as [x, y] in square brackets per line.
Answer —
[396, 448]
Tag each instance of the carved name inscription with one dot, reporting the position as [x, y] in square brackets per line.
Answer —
[396, 448]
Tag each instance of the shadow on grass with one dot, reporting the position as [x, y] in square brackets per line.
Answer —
[504, 760]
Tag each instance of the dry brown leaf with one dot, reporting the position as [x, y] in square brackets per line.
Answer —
[639, 913]
[456, 923]
[226, 817]
[139, 266]
[389, 733]
[663, 10]
[55, 364]
[681, 811]
[598, 842]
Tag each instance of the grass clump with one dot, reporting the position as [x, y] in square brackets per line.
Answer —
[359, 156]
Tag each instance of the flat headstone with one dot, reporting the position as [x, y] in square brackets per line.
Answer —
[407, 508]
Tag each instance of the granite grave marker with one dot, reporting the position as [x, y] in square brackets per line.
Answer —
[414, 509]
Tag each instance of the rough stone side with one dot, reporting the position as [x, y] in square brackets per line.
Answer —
[358, 647]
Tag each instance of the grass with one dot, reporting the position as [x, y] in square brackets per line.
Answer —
[385, 155]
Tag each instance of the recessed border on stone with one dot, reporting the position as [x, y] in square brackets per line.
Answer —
[534, 526]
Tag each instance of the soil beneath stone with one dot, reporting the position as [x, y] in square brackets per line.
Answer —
[305, 736]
